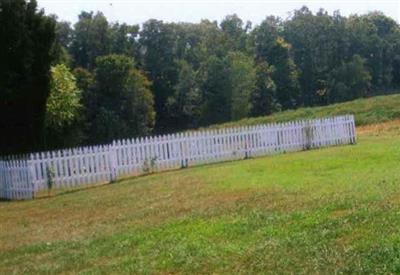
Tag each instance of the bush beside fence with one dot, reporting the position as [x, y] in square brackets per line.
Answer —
[23, 178]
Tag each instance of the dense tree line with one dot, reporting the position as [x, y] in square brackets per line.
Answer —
[26, 39]
[95, 81]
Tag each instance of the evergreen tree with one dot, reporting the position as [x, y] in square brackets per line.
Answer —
[27, 37]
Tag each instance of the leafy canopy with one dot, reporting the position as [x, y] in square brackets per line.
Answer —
[63, 104]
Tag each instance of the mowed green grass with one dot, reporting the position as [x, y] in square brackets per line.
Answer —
[334, 210]
[366, 111]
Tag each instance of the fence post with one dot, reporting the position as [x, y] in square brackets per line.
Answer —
[113, 162]
[353, 130]
[31, 174]
[308, 134]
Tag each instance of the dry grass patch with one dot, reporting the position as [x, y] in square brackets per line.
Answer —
[385, 128]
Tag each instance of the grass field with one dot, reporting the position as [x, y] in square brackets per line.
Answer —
[367, 111]
[322, 211]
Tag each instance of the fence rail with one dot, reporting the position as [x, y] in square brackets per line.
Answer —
[23, 178]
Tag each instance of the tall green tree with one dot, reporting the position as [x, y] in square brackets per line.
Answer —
[285, 75]
[242, 76]
[189, 39]
[235, 31]
[91, 39]
[216, 90]
[124, 39]
[27, 36]
[396, 65]
[85, 82]
[263, 37]
[319, 43]
[184, 106]
[263, 98]
[84, 79]
[375, 37]
[349, 81]
[269, 46]
[63, 109]
[122, 102]
[158, 47]
[62, 43]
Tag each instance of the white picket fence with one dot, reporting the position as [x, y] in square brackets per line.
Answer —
[23, 178]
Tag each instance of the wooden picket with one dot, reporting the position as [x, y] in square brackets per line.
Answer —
[23, 177]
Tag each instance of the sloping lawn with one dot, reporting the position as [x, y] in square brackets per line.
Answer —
[367, 111]
[323, 211]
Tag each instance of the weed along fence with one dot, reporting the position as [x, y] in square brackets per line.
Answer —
[24, 177]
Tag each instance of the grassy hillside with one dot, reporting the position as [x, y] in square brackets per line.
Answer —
[367, 111]
[319, 211]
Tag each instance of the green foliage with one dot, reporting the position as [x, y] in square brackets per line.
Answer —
[215, 83]
[142, 104]
[227, 85]
[270, 47]
[123, 39]
[242, 77]
[236, 34]
[263, 37]
[84, 79]
[61, 44]
[63, 104]
[211, 73]
[263, 98]
[122, 104]
[64, 33]
[27, 37]
[94, 36]
[91, 39]
[184, 106]
[197, 74]
[85, 82]
[349, 81]
[319, 44]
[64, 110]
[285, 75]
[376, 38]
[157, 41]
